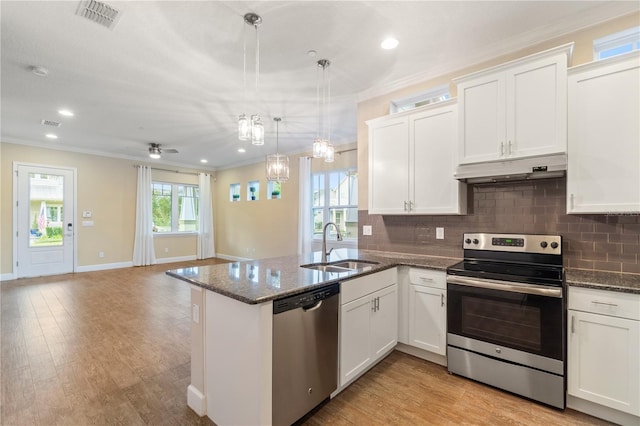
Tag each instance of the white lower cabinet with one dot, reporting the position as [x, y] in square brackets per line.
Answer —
[368, 322]
[603, 348]
[428, 310]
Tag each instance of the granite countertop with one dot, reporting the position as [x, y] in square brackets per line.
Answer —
[260, 281]
[612, 281]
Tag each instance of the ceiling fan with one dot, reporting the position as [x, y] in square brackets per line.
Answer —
[156, 152]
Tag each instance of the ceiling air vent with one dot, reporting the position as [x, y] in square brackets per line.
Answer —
[51, 123]
[98, 12]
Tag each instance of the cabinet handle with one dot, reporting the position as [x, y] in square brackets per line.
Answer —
[571, 200]
[410, 205]
[426, 279]
[501, 149]
[405, 206]
[509, 150]
[377, 304]
[573, 324]
[442, 299]
[595, 302]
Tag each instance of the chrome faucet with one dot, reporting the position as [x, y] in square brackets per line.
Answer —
[326, 253]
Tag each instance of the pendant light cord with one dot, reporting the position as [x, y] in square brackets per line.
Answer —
[257, 59]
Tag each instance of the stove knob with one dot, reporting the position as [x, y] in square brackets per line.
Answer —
[468, 241]
[475, 241]
[554, 245]
[543, 244]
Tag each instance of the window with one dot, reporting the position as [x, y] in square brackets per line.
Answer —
[335, 199]
[616, 44]
[175, 207]
[438, 94]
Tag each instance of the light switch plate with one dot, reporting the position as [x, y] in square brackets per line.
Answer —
[366, 230]
[87, 223]
[439, 233]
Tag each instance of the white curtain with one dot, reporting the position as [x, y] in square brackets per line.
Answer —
[206, 248]
[304, 210]
[143, 252]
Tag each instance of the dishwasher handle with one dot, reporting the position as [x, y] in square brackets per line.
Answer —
[313, 307]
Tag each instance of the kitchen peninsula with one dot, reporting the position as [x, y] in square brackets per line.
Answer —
[232, 320]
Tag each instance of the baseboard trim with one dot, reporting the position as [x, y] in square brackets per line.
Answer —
[7, 277]
[104, 266]
[234, 258]
[196, 401]
[176, 259]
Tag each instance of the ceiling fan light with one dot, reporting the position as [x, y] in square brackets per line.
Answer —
[257, 130]
[244, 128]
[154, 152]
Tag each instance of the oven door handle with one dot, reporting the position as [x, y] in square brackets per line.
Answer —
[537, 290]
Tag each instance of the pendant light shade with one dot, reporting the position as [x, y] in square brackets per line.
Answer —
[251, 129]
[277, 165]
[322, 147]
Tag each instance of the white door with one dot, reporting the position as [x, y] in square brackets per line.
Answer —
[355, 318]
[44, 220]
[384, 321]
[427, 318]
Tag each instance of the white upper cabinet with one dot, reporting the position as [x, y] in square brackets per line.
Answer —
[412, 159]
[603, 173]
[515, 110]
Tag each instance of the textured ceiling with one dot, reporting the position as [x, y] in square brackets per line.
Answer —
[171, 72]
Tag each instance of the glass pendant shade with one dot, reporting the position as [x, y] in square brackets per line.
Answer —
[277, 167]
[320, 148]
[329, 154]
[244, 128]
[257, 130]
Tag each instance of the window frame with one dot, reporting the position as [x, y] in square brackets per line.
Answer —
[608, 43]
[327, 207]
[175, 213]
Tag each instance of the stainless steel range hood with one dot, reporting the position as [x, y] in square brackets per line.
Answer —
[516, 169]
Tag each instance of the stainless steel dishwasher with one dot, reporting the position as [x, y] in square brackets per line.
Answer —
[305, 352]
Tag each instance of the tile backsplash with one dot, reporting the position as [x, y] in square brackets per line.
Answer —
[607, 242]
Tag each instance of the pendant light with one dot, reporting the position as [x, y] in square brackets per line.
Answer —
[277, 164]
[322, 147]
[251, 128]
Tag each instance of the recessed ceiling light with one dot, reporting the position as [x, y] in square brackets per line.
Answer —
[51, 136]
[204, 160]
[66, 112]
[242, 150]
[389, 43]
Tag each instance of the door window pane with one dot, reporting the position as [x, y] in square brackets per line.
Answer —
[45, 210]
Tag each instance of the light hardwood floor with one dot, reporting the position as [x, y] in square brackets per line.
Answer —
[112, 347]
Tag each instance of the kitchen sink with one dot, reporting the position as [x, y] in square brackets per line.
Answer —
[340, 266]
[327, 268]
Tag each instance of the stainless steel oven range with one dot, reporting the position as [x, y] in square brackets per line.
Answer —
[506, 315]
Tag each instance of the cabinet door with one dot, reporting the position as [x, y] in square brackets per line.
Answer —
[388, 166]
[355, 326]
[384, 321]
[537, 108]
[433, 138]
[482, 119]
[604, 139]
[427, 318]
[603, 364]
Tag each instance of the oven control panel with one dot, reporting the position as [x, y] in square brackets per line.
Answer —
[543, 244]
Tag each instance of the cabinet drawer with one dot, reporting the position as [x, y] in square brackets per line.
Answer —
[612, 303]
[428, 277]
[358, 287]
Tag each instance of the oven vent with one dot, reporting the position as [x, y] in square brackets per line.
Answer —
[51, 123]
[98, 12]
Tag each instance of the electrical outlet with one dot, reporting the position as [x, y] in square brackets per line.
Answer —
[166, 249]
[86, 214]
[367, 230]
[439, 233]
[100, 254]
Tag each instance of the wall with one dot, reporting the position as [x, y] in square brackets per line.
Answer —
[263, 228]
[107, 188]
[600, 242]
